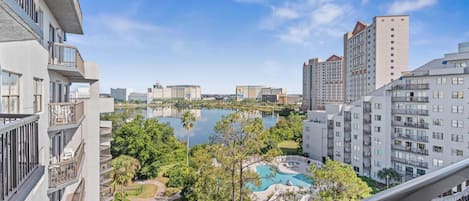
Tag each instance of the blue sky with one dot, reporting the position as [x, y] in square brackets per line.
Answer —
[222, 43]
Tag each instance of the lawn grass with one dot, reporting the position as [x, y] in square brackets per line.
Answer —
[141, 190]
[289, 147]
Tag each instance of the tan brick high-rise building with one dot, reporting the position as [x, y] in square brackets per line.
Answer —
[375, 54]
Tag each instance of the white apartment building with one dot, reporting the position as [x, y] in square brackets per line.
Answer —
[186, 92]
[49, 142]
[375, 54]
[121, 94]
[323, 83]
[416, 124]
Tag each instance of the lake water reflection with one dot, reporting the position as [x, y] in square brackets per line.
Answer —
[205, 120]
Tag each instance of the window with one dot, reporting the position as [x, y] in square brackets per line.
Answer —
[37, 102]
[457, 123]
[458, 80]
[377, 117]
[437, 94]
[377, 129]
[337, 124]
[356, 115]
[457, 109]
[438, 122]
[438, 149]
[441, 80]
[456, 152]
[378, 106]
[457, 95]
[10, 92]
[437, 108]
[456, 137]
[437, 162]
[438, 135]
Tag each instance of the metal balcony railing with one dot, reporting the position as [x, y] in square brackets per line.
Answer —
[79, 194]
[367, 140]
[410, 112]
[410, 149]
[410, 99]
[420, 164]
[61, 114]
[410, 124]
[19, 155]
[411, 137]
[410, 87]
[106, 193]
[66, 56]
[66, 172]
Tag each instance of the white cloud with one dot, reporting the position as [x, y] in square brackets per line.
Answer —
[286, 13]
[327, 13]
[406, 6]
[304, 21]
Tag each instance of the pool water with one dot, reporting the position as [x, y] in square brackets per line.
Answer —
[268, 179]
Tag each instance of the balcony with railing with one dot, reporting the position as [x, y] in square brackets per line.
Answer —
[416, 163]
[410, 112]
[410, 99]
[106, 193]
[19, 155]
[66, 60]
[418, 138]
[79, 194]
[366, 140]
[19, 19]
[410, 149]
[348, 148]
[67, 171]
[65, 115]
[410, 124]
[410, 87]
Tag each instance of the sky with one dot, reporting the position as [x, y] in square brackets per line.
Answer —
[219, 44]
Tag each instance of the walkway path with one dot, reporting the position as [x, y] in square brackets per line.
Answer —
[159, 192]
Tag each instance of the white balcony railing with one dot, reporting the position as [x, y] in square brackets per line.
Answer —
[61, 114]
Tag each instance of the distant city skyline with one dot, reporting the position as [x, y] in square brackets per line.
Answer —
[221, 44]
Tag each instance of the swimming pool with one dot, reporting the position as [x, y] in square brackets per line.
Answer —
[268, 179]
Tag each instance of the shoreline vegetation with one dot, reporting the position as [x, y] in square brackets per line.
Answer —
[234, 105]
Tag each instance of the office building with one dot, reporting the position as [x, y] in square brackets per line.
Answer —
[50, 142]
[138, 97]
[186, 92]
[375, 54]
[416, 124]
[121, 94]
[323, 83]
[256, 92]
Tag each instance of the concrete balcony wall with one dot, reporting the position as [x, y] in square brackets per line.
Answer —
[17, 24]
[106, 105]
[91, 71]
[68, 14]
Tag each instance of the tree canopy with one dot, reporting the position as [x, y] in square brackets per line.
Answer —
[338, 181]
[151, 142]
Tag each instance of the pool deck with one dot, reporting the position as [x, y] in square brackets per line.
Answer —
[301, 166]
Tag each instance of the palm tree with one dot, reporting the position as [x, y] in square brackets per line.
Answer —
[187, 121]
[389, 174]
[124, 170]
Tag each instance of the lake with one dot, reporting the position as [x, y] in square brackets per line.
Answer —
[204, 124]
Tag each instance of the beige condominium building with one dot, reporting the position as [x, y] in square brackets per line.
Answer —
[416, 124]
[52, 147]
[256, 92]
[323, 83]
[186, 92]
[375, 54]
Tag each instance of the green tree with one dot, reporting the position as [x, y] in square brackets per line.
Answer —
[239, 142]
[338, 181]
[187, 121]
[179, 175]
[389, 174]
[151, 142]
[124, 170]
